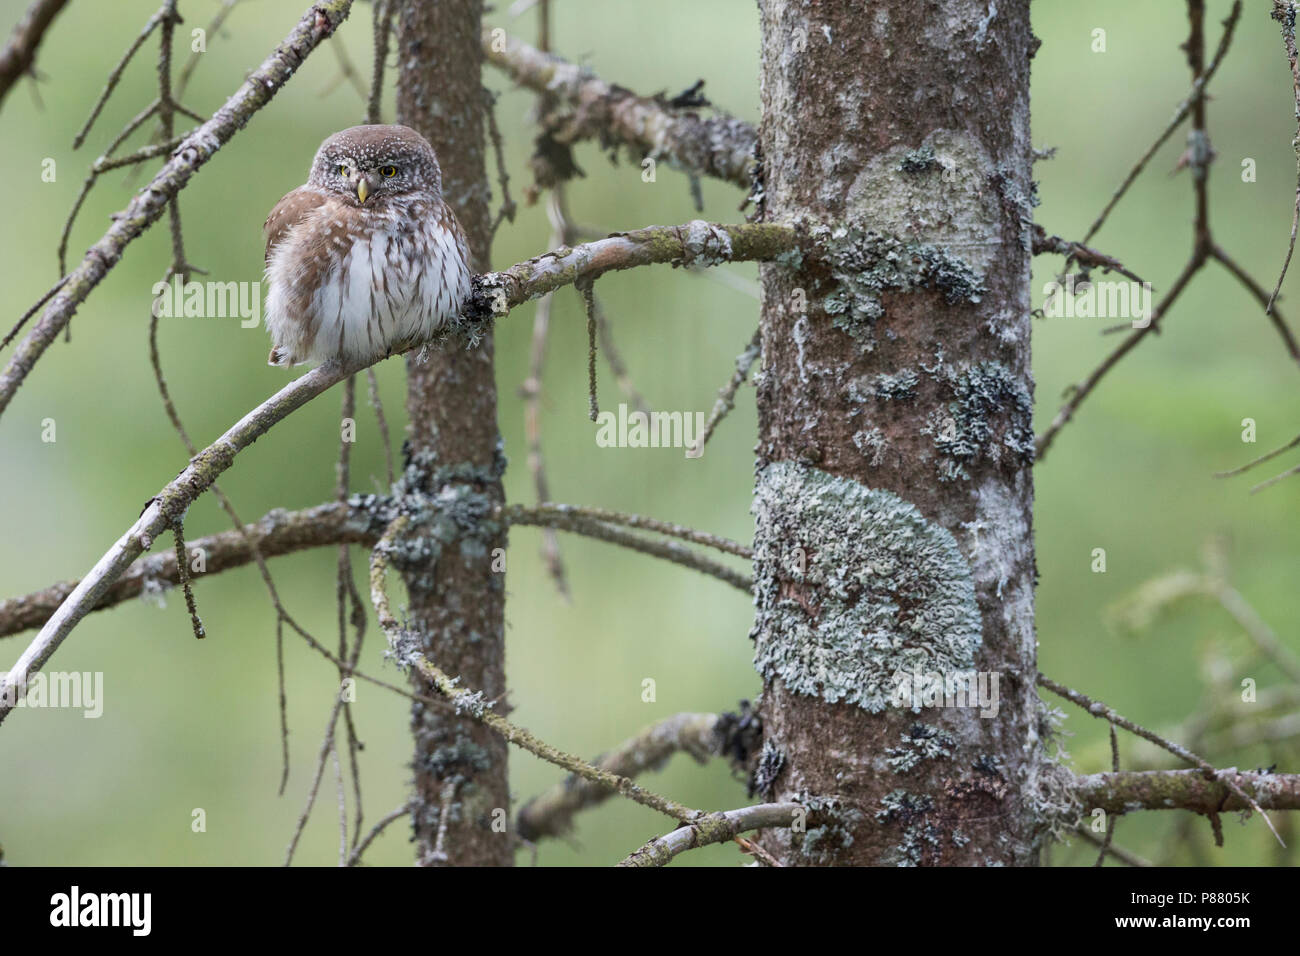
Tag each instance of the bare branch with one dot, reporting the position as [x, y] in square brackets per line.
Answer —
[158, 514]
[1043, 243]
[1194, 97]
[383, 28]
[1119, 853]
[1081, 391]
[115, 75]
[720, 146]
[1262, 297]
[355, 856]
[277, 533]
[19, 54]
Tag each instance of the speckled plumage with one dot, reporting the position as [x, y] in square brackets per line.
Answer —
[366, 255]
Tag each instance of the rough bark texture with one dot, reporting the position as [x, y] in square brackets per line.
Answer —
[454, 455]
[893, 499]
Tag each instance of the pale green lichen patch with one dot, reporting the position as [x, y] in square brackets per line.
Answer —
[991, 416]
[865, 264]
[908, 812]
[823, 843]
[855, 588]
[872, 443]
[447, 504]
[919, 160]
[920, 742]
[901, 385]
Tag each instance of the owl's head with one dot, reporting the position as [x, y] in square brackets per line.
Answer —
[370, 165]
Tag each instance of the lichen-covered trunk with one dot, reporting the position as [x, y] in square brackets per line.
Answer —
[454, 458]
[894, 553]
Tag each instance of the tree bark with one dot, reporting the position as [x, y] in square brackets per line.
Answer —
[893, 500]
[454, 456]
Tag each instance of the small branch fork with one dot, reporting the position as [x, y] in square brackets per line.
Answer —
[1196, 159]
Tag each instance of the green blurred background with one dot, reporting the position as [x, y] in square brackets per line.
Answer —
[191, 725]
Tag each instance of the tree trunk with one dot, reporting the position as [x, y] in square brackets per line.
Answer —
[893, 500]
[454, 456]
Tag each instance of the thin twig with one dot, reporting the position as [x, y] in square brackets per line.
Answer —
[1082, 390]
[551, 812]
[116, 73]
[372, 382]
[522, 514]
[383, 26]
[576, 524]
[1180, 113]
[1261, 296]
[355, 856]
[727, 394]
[1119, 853]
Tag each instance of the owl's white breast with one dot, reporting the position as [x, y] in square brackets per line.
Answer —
[400, 278]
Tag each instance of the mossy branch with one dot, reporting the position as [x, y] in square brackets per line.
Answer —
[1228, 791]
[551, 812]
[1225, 778]
[695, 243]
[715, 828]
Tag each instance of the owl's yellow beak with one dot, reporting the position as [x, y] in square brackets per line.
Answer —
[363, 189]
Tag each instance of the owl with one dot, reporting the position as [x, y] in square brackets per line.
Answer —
[366, 255]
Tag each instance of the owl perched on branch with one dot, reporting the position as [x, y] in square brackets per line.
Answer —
[366, 256]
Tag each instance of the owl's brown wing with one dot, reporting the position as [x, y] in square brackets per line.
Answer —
[288, 212]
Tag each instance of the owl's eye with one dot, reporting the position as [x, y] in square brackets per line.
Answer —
[388, 172]
[343, 170]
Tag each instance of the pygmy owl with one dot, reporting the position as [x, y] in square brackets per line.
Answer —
[366, 255]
